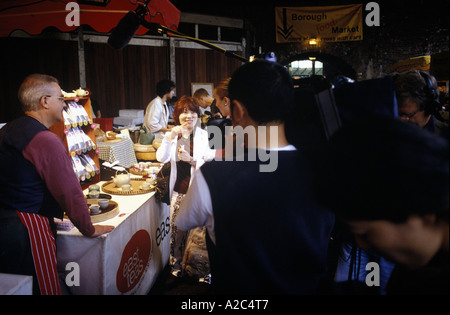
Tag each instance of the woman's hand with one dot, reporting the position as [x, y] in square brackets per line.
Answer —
[174, 132]
[178, 130]
[183, 155]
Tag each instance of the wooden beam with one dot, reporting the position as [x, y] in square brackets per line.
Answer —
[211, 20]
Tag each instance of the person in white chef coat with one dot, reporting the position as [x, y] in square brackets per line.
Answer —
[157, 112]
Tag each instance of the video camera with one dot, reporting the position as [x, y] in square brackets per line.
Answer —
[323, 106]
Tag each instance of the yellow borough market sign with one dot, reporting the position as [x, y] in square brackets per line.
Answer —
[331, 23]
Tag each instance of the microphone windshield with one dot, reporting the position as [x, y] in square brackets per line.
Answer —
[124, 31]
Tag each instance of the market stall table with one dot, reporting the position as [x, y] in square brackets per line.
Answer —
[124, 261]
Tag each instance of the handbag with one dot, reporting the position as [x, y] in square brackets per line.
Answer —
[146, 137]
[162, 190]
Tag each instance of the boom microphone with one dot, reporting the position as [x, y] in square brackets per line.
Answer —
[130, 23]
[128, 26]
[125, 30]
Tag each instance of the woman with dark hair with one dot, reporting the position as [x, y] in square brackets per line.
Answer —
[389, 182]
[266, 235]
[186, 146]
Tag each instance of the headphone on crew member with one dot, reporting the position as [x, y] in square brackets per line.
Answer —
[433, 106]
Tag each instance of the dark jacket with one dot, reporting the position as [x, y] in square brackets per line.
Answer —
[271, 237]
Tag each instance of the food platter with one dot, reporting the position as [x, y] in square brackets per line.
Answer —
[135, 189]
[134, 171]
[145, 168]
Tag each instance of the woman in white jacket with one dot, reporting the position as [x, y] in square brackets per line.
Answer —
[186, 146]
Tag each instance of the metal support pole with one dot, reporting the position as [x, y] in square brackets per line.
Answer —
[81, 59]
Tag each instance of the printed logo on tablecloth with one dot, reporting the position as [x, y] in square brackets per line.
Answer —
[135, 257]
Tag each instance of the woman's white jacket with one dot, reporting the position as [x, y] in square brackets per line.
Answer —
[168, 152]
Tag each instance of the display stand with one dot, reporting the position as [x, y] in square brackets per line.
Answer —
[88, 151]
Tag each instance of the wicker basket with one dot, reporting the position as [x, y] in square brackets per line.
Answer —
[146, 156]
[145, 152]
[135, 183]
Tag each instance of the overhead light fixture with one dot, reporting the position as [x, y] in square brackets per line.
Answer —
[312, 58]
[312, 42]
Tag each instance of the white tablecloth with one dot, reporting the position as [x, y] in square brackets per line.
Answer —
[15, 284]
[125, 261]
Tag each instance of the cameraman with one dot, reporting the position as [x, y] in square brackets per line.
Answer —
[418, 101]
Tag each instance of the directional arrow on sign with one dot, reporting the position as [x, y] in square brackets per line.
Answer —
[285, 31]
